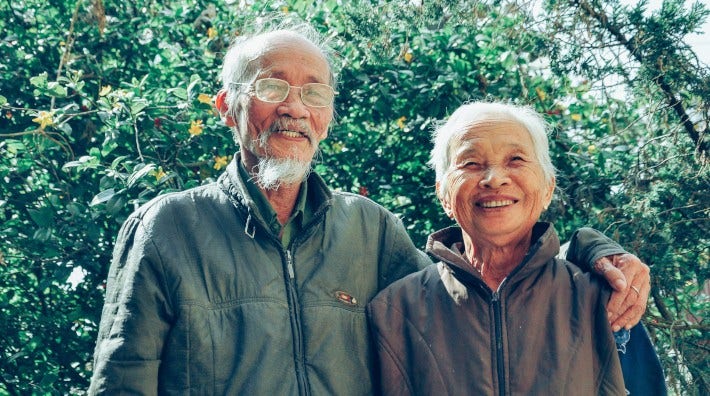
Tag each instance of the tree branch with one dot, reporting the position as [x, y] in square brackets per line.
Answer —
[654, 64]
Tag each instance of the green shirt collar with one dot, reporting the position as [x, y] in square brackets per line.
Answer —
[302, 211]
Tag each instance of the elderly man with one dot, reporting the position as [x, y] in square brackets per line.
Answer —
[257, 284]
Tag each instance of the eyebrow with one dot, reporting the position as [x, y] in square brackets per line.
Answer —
[282, 75]
[471, 150]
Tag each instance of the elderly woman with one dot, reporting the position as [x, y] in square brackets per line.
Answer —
[499, 314]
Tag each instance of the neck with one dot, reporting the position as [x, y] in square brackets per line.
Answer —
[495, 262]
[283, 200]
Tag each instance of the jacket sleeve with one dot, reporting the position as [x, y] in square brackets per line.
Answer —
[135, 317]
[401, 256]
[588, 245]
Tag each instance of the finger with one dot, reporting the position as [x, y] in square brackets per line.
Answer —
[633, 267]
[636, 302]
[614, 276]
[620, 308]
[628, 319]
[614, 308]
[633, 306]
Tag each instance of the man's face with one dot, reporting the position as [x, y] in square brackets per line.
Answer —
[289, 130]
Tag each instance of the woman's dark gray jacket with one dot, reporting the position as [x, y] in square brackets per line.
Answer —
[442, 331]
[202, 299]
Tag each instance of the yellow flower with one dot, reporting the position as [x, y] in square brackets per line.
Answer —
[196, 128]
[220, 162]
[159, 173]
[105, 90]
[540, 93]
[44, 119]
[284, 9]
[576, 117]
[408, 57]
[400, 122]
[591, 149]
[204, 98]
[211, 33]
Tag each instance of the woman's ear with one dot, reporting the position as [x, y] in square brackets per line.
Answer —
[548, 194]
[443, 198]
[221, 103]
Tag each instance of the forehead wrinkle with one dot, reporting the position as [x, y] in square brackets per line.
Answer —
[467, 146]
[283, 75]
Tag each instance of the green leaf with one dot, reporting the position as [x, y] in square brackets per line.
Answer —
[3, 100]
[115, 204]
[138, 105]
[195, 81]
[43, 216]
[136, 176]
[102, 197]
[180, 93]
[42, 234]
[39, 81]
[56, 89]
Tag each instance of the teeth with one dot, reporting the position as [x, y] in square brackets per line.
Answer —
[495, 204]
[291, 134]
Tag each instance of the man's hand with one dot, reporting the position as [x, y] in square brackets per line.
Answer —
[631, 281]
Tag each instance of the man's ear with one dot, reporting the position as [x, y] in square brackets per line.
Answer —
[443, 198]
[221, 103]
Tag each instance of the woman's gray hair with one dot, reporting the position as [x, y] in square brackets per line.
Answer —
[242, 64]
[468, 114]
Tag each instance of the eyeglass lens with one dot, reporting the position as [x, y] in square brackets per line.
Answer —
[274, 90]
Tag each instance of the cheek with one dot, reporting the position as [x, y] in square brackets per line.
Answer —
[535, 184]
[460, 189]
[322, 122]
[261, 114]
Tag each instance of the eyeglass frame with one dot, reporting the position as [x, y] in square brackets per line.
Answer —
[252, 90]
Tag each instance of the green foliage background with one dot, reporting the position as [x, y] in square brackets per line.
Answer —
[105, 105]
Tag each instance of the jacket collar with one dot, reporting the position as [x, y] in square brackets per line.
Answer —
[446, 245]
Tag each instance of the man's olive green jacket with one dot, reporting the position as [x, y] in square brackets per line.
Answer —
[202, 299]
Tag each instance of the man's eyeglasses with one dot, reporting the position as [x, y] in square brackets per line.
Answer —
[275, 90]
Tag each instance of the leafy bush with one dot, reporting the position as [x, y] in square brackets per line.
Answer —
[106, 105]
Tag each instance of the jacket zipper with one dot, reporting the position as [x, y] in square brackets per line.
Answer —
[498, 339]
[296, 328]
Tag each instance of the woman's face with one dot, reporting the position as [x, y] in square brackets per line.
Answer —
[495, 187]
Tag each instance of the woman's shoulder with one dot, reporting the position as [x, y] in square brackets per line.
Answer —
[410, 286]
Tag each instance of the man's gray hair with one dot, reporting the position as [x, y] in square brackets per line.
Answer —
[468, 114]
[242, 63]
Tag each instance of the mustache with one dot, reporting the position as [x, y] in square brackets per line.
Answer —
[291, 124]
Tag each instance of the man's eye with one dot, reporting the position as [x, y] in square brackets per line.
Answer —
[313, 95]
[273, 87]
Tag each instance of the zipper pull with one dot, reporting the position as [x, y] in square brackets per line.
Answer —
[289, 264]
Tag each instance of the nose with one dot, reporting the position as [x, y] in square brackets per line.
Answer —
[293, 106]
[495, 177]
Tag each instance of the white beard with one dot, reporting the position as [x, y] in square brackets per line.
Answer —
[273, 172]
